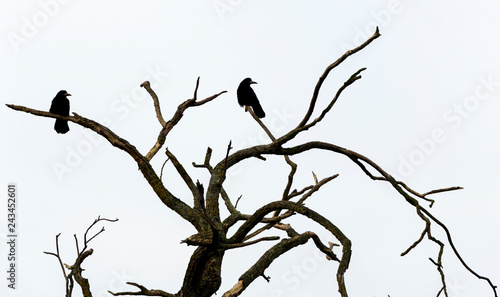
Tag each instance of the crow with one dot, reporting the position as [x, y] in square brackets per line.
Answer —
[60, 106]
[247, 97]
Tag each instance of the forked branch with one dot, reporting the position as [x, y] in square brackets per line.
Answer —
[287, 244]
[147, 170]
[203, 275]
[169, 125]
[75, 270]
[323, 77]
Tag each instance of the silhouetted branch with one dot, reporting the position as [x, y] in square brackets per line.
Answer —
[143, 292]
[455, 251]
[105, 132]
[156, 102]
[330, 67]
[75, 269]
[276, 251]
[99, 219]
[438, 263]
[206, 164]
[203, 276]
[76, 272]
[185, 177]
[69, 281]
[316, 188]
[247, 243]
[397, 185]
[169, 125]
[281, 247]
[147, 170]
[161, 170]
[277, 218]
[256, 118]
[293, 166]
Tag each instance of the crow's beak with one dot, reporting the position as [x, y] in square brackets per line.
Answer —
[253, 82]
[68, 94]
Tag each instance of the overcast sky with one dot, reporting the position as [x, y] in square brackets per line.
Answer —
[426, 110]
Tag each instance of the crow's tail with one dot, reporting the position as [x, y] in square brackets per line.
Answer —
[61, 126]
[258, 110]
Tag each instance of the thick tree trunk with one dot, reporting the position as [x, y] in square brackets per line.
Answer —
[203, 275]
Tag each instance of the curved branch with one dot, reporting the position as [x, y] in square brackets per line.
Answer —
[243, 244]
[265, 260]
[303, 127]
[147, 170]
[258, 150]
[457, 254]
[397, 185]
[105, 132]
[143, 292]
[323, 77]
[68, 280]
[353, 78]
[316, 187]
[169, 125]
[156, 102]
[85, 240]
[270, 207]
[185, 177]
[76, 270]
[277, 218]
[404, 190]
[206, 164]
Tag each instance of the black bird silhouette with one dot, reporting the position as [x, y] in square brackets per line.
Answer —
[246, 96]
[60, 106]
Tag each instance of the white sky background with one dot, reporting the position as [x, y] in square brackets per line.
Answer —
[434, 72]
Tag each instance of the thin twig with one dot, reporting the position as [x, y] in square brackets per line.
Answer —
[323, 77]
[185, 177]
[143, 292]
[170, 124]
[162, 166]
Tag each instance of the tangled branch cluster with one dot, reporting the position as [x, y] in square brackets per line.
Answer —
[212, 238]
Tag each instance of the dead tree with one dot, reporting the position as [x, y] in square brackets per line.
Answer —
[203, 274]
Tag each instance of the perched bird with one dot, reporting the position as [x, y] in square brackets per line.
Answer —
[60, 106]
[246, 96]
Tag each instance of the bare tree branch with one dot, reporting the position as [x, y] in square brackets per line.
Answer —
[243, 244]
[203, 275]
[272, 254]
[256, 118]
[105, 132]
[455, 251]
[143, 292]
[270, 207]
[185, 177]
[293, 166]
[69, 281]
[327, 71]
[156, 102]
[168, 126]
[316, 188]
[75, 269]
[276, 219]
[206, 164]
[387, 177]
[147, 170]
[438, 263]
